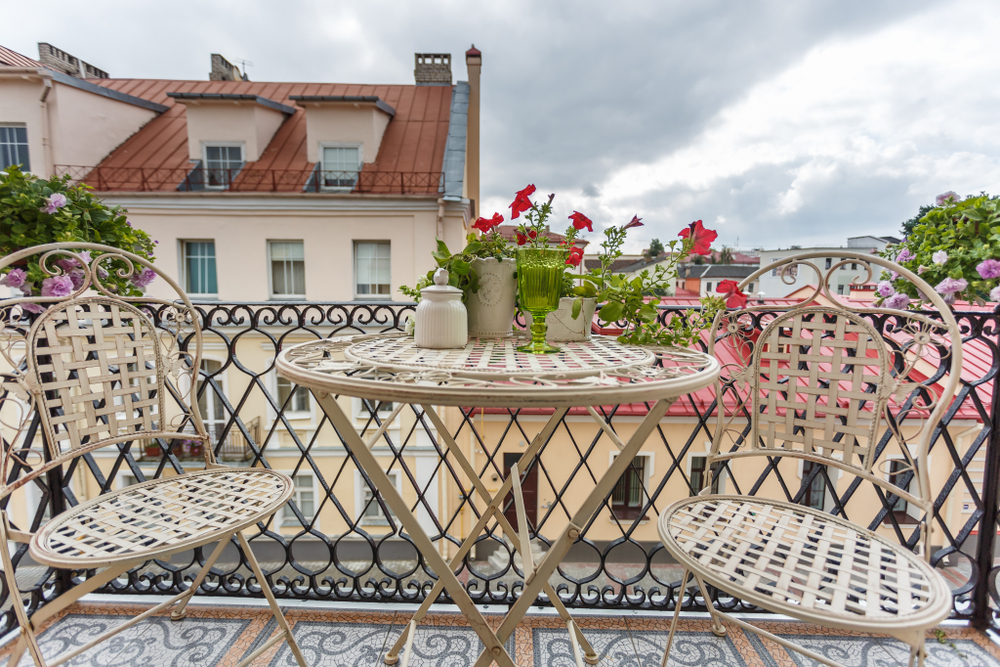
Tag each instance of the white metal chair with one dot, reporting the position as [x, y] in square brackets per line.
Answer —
[99, 373]
[819, 383]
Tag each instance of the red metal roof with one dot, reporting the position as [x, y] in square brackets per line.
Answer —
[10, 58]
[414, 140]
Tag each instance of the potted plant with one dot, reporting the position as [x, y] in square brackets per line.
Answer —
[491, 306]
[955, 247]
[36, 211]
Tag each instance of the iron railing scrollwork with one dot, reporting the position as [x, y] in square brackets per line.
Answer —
[357, 552]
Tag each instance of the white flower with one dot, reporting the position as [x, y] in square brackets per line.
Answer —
[410, 326]
[940, 257]
[995, 294]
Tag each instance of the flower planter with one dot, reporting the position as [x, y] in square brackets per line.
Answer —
[562, 327]
[152, 451]
[491, 309]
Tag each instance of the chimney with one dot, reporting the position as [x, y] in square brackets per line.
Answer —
[432, 69]
[60, 61]
[474, 63]
[223, 70]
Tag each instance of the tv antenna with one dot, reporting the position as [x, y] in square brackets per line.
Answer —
[243, 62]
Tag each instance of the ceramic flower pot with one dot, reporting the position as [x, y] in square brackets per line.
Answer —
[562, 328]
[491, 309]
[539, 282]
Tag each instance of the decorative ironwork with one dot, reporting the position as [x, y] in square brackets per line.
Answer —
[370, 561]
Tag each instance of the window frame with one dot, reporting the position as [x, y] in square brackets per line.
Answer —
[903, 516]
[288, 518]
[826, 491]
[321, 163]
[26, 164]
[718, 485]
[388, 295]
[630, 513]
[183, 268]
[205, 145]
[270, 270]
[360, 492]
[290, 412]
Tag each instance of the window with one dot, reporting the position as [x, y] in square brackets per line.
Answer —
[371, 269]
[372, 513]
[381, 408]
[774, 271]
[854, 266]
[299, 401]
[222, 163]
[304, 498]
[815, 495]
[341, 166]
[628, 496]
[199, 267]
[843, 267]
[840, 289]
[750, 288]
[897, 469]
[829, 262]
[288, 268]
[698, 475]
[708, 287]
[210, 404]
[14, 147]
[126, 480]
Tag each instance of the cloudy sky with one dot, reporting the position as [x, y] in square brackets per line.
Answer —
[775, 122]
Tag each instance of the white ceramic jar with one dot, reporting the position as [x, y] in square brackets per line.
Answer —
[442, 321]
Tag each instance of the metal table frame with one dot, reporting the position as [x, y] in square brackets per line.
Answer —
[309, 365]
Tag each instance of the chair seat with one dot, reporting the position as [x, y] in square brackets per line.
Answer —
[159, 517]
[805, 563]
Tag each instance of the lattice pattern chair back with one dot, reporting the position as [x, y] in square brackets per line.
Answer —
[821, 379]
[94, 363]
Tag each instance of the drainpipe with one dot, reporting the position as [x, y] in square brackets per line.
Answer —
[474, 63]
[46, 130]
[440, 219]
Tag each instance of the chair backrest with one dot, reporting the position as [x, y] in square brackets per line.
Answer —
[821, 380]
[94, 364]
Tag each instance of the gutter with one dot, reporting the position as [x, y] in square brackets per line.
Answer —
[46, 128]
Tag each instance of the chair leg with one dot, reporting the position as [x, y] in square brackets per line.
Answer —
[179, 613]
[677, 614]
[275, 609]
[27, 640]
[717, 627]
[917, 653]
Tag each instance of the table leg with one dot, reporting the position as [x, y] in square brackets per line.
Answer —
[588, 508]
[370, 467]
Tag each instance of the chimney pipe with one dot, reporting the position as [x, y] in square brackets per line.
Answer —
[474, 63]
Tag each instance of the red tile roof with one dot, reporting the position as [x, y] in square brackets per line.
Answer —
[414, 140]
[10, 58]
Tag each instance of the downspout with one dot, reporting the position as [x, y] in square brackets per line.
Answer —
[440, 219]
[46, 129]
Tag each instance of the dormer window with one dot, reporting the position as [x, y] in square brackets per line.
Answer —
[340, 166]
[222, 163]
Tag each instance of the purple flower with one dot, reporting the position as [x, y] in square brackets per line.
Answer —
[143, 278]
[949, 298]
[995, 294]
[54, 203]
[897, 302]
[946, 198]
[77, 277]
[989, 268]
[951, 285]
[885, 289]
[940, 257]
[15, 278]
[57, 286]
[921, 269]
[33, 308]
[128, 223]
[904, 256]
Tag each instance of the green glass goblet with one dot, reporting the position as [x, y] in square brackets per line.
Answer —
[539, 283]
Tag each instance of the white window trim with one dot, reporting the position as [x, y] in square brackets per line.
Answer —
[339, 144]
[27, 146]
[270, 272]
[182, 255]
[359, 498]
[287, 517]
[354, 270]
[689, 462]
[361, 416]
[911, 511]
[205, 145]
[272, 415]
[833, 473]
[647, 475]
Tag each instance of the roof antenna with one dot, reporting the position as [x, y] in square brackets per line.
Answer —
[243, 62]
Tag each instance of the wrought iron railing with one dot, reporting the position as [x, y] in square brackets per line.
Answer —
[356, 551]
[252, 179]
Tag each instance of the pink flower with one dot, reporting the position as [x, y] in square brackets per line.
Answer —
[15, 278]
[897, 302]
[940, 257]
[951, 286]
[636, 221]
[69, 263]
[946, 198]
[54, 203]
[143, 278]
[904, 255]
[76, 276]
[57, 286]
[989, 268]
[949, 298]
[995, 294]
[33, 308]
[885, 289]
[921, 269]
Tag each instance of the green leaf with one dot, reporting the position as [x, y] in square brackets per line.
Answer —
[577, 305]
[612, 312]
[460, 266]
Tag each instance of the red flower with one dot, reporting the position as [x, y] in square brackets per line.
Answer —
[702, 238]
[522, 239]
[734, 297]
[580, 221]
[521, 202]
[635, 222]
[575, 256]
[484, 225]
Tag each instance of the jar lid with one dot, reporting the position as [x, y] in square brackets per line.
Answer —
[440, 288]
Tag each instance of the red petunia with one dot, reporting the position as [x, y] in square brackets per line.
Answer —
[702, 237]
[734, 297]
[484, 225]
[521, 202]
[580, 221]
[575, 256]
[635, 222]
[522, 239]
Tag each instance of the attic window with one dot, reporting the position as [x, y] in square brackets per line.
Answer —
[340, 166]
[222, 163]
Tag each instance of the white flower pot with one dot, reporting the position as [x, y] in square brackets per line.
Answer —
[491, 309]
[562, 327]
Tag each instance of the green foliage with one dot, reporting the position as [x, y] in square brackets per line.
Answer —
[85, 218]
[655, 249]
[459, 266]
[726, 255]
[967, 231]
[908, 225]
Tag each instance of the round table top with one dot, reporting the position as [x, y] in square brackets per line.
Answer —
[492, 373]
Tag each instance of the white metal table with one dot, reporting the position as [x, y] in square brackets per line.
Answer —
[492, 373]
